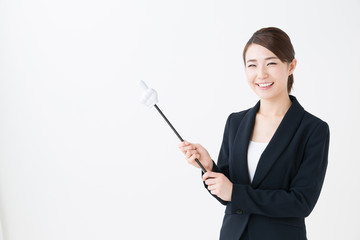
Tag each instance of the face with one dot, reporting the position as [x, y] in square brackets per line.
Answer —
[266, 74]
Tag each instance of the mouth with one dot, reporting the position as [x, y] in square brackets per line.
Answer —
[264, 85]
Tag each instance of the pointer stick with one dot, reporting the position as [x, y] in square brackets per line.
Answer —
[168, 122]
[150, 99]
[178, 135]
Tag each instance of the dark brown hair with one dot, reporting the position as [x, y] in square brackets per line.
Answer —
[278, 42]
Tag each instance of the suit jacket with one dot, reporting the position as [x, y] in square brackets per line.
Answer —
[288, 177]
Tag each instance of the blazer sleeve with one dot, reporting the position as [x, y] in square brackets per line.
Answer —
[223, 159]
[304, 190]
[222, 166]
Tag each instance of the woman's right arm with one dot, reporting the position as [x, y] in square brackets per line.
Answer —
[192, 151]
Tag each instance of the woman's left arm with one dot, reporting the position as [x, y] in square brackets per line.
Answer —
[304, 190]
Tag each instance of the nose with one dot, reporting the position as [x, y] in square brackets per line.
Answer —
[262, 72]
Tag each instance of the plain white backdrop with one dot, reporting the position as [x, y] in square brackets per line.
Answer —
[81, 158]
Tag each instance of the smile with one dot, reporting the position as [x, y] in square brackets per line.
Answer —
[263, 85]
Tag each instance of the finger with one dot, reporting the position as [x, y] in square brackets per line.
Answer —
[191, 152]
[185, 149]
[210, 174]
[190, 147]
[182, 144]
[213, 192]
[191, 159]
[143, 85]
[210, 181]
[197, 145]
[206, 175]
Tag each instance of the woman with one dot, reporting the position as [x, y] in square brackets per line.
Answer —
[273, 157]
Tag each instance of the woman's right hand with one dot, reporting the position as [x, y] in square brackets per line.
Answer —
[193, 151]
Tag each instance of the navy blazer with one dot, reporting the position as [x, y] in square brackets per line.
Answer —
[287, 180]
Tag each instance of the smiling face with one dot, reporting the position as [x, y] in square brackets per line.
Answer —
[267, 75]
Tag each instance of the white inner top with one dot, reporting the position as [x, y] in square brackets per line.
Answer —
[254, 153]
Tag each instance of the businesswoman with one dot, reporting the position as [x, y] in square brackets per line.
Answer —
[273, 156]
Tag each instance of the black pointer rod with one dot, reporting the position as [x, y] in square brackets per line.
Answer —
[178, 135]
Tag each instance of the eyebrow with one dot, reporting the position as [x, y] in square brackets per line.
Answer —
[268, 58]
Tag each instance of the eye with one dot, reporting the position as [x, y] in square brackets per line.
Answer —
[252, 65]
[271, 63]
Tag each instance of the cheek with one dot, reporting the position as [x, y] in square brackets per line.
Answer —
[279, 73]
[250, 76]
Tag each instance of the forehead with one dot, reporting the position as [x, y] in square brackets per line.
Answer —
[257, 52]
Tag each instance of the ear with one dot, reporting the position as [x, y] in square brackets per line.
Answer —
[292, 66]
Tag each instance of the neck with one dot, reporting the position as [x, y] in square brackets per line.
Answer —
[275, 107]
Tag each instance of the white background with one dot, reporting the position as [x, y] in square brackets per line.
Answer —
[81, 158]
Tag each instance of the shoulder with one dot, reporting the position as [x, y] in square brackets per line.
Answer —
[309, 121]
[247, 115]
[312, 122]
[312, 119]
[236, 117]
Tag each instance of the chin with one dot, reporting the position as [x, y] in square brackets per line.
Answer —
[270, 95]
[265, 95]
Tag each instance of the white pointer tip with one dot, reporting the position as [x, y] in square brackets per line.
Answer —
[149, 96]
[143, 85]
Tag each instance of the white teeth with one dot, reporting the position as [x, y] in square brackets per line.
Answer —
[264, 84]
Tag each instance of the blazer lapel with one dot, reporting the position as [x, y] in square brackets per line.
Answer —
[278, 143]
[239, 171]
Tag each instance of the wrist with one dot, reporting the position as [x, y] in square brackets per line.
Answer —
[231, 190]
[210, 165]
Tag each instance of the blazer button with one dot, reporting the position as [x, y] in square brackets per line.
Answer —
[239, 211]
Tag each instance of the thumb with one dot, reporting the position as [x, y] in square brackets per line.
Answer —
[209, 174]
[143, 85]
